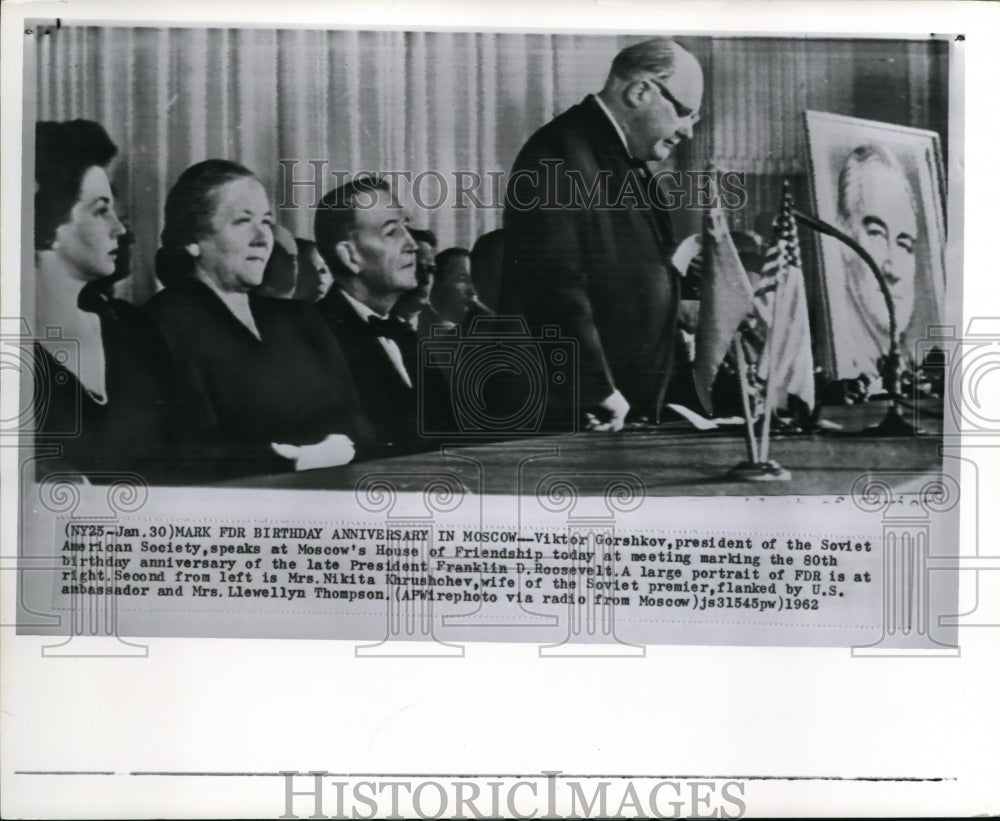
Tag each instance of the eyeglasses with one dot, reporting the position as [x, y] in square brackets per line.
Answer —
[682, 110]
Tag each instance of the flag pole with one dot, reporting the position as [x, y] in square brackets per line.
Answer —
[765, 434]
[741, 366]
[776, 316]
[765, 469]
[762, 469]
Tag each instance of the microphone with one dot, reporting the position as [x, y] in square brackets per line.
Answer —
[893, 424]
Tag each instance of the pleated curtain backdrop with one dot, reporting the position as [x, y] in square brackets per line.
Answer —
[433, 104]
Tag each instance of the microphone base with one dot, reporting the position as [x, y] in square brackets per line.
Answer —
[892, 425]
[769, 471]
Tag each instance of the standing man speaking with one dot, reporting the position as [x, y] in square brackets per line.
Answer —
[588, 243]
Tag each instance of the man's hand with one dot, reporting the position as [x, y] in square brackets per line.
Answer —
[609, 414]
[689, 248]
[333, 451]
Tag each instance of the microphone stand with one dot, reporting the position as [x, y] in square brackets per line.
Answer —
[893, 424]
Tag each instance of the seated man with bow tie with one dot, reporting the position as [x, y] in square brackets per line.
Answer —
[361, 233]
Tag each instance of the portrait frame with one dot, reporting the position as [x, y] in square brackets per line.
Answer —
[830, 139]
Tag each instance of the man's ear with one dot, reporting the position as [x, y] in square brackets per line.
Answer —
[637, 93]
[193, 249]
[348, 255]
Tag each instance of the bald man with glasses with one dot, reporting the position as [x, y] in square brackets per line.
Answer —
[588, 241]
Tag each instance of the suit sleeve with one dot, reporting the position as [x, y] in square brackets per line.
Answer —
[351, 420]
[547, 264]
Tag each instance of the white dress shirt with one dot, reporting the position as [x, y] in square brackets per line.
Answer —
[388, 345]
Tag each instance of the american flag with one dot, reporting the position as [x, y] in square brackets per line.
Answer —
[782, 318]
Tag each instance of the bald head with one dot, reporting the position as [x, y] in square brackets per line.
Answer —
[654, 91]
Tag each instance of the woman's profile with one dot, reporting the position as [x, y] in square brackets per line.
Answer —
[102, 390]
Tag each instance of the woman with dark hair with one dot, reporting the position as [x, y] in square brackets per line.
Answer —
[263, 384]
[102, 394]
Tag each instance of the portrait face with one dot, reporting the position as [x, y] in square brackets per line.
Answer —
[881, 218]
[88, 241]
[381, 251]
[666, 112]
[238, 245]
[882, 185]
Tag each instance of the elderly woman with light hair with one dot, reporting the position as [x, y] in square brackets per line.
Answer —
[264, 386]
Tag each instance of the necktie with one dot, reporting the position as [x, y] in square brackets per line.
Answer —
[390, 328]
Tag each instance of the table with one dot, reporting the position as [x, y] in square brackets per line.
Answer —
[671, 459]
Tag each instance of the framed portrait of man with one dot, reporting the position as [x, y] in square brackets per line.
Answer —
[881, 184]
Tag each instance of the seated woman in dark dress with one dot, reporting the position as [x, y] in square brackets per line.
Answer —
[263, 386]
[102, 398]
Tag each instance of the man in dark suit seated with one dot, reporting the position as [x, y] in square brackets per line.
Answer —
[361, 233]
[588, 242]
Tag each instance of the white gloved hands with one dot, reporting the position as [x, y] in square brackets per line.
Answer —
[335, 450]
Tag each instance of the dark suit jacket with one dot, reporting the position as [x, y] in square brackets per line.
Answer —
[238, 394]
[600, 269]
[400, 416]
[132, 432]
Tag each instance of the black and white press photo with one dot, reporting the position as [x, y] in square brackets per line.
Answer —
[605, 382]
[255, 271]
[625, 182]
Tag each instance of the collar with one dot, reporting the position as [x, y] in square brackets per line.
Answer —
[360, 308]
[228, 298]
[236, 302]
[614, 122]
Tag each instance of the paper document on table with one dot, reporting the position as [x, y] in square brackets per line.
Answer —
[703, 423]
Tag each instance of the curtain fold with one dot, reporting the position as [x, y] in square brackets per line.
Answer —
[441, 106]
